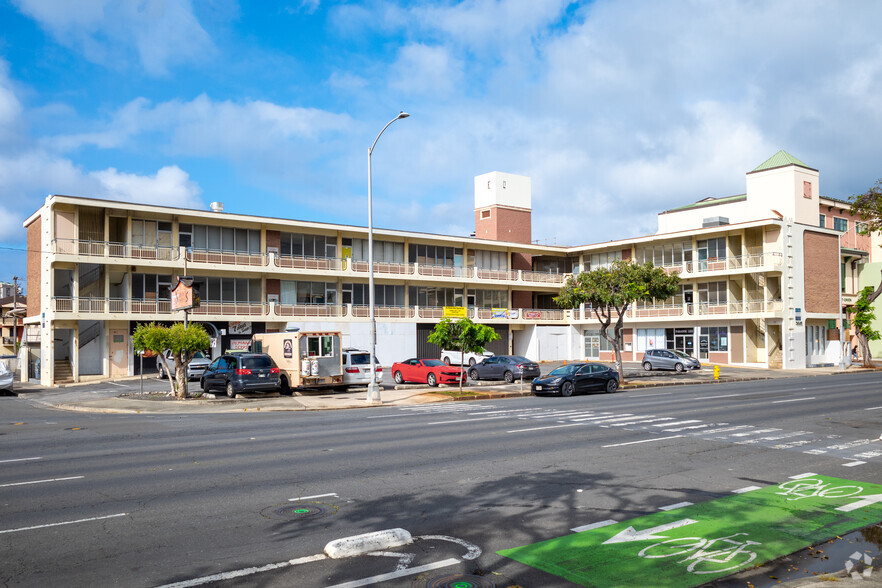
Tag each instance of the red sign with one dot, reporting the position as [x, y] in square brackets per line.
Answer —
[183, 295]
[532, 314]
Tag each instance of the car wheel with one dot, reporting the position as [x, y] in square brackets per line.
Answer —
[447, 360]
[472, 361]
[161, 372]
[431, 380]
[284, 388]
[612, 386]
[230, 392]
[205, 387]
[508, 377]
[399, 379]
[473, 374]
[566, 389]
[647, 367]
[679, 367]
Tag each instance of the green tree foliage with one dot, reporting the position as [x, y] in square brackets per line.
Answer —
[462, 335]
[862, 319]
[183, 342]
[610, 291]
[868, 206]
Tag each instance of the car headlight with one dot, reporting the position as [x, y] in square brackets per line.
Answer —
[555, 380]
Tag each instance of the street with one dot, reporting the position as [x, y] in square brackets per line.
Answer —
[252, 499]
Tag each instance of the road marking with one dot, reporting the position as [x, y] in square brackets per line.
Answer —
[678, 423]
[19, 459]
[630, 534]
[122, 514]
[41, 481]
[467, 420]
[244, 572]
[603, 417]
[757, 432]
[852, 444]
[816, 451]
[793, 400]
[851, 464]
[643, 441]
[311, 497]
[865, 454]
[543, 428]
[605, 523]
[472, 550]
[746, 489]
[726, 429]
[677, 429]
[675, 506]
[864, 501]
[801, 476]
[399, 574]
[645, 421]
[874, 408]
[723, 396]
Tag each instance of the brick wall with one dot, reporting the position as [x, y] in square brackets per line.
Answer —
[504, 224]
[34, 259]
[521, 299]
[821, 272]
[273, 239]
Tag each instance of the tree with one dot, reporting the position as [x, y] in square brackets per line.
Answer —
[862, 320]
[610, 291]
[463, 335]
[183, 342]
[868, 206]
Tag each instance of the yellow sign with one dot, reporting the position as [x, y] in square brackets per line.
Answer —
[457, 312]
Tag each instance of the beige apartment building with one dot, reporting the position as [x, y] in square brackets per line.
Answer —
[761, 279]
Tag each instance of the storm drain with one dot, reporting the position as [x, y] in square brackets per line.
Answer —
[299, 511]
[460, 581]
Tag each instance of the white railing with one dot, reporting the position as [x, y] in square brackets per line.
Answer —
[227, 257]
[81, 247]
[656, 310]
[543, 277]
[364, 311]
[489, 274]
[383, 267]
[323, 310]
[309, 263]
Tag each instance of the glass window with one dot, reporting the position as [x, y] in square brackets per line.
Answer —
[257, 362]
[717, 338]
[320, 346]
[822, 221]
[840, 224]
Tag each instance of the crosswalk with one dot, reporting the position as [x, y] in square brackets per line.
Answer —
[740, 434]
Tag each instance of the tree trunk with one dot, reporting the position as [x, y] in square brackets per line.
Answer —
[461, 362]
[865, 350]
[168, 373]
[181, 371]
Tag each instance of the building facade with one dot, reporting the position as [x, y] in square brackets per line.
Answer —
[760, 279]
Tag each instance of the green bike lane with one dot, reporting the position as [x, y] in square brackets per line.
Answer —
[692, 545]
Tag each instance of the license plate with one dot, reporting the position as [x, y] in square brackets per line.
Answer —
[261, 376]
[538, 387]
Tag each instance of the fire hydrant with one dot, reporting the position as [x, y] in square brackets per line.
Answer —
[716, 372]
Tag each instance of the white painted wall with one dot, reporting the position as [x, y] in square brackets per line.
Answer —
[499, 188]
[692, 218]
[781, 189]
[549, 343]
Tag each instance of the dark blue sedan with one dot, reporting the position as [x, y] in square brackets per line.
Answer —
[577, 377]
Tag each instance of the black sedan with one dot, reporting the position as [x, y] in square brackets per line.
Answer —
[577, 377]
[242, 372]
[504, 367]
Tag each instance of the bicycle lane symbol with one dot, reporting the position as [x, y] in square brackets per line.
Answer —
[702, 542]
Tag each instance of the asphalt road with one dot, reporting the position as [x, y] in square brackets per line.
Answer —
[138, 500]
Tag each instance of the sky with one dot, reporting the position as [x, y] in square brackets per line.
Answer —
[617, 110]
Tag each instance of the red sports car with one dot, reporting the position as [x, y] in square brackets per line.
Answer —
[429, 371]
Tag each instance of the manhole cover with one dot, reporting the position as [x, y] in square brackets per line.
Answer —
[300, 510]
[460, 581]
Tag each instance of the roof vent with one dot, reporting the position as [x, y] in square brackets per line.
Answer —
[715, 221]
[217, 206]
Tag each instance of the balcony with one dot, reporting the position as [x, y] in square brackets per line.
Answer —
[241, 258]
[113, 250]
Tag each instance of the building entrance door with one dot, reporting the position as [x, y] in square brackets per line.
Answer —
[119, 347]
[703, 346]
[684, 340]
[592, 345]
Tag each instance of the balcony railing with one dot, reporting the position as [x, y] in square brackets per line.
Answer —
[364, 311]
[309, 263]
[227, 257]
[383, 267]
[322, 310]
[86, 248]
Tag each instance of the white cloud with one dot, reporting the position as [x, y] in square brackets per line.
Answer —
[424, 70]
[160, 33]
[170, 186]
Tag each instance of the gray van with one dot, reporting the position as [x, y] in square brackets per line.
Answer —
[669, 359]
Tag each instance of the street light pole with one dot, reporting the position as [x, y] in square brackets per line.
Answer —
[373, 391]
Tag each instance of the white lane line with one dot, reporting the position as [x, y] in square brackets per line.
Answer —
[757, 432]
[122, 514]
[311, 497]
[850, 444]
[567, 414]
[244, 572]
[816, 451]
[726, 429]
[851, 464]
[746, 489]
[399, 574]
[678, 423]
[867, 454]
[390, 416]
[801, 476]
[605, 523]
[19, 459]
[603, 418]
[41, 481]
[644, 421]
[712, 397]
[678, 429]
[543, 428]
[793, 400]
[643, 441]
[874, 408]
[467, 420]
[675, 506]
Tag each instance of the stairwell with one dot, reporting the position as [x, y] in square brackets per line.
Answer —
[63, 372]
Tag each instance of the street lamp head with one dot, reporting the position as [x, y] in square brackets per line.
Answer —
[403, 114]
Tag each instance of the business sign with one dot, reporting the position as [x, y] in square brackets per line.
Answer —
[184, 296]
[513, 313]
[499, 313]
[240, 344]
[457, 312]
[240, 328]
[532, 314]
[288, 348]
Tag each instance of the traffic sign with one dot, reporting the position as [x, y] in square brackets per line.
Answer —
[696, 544]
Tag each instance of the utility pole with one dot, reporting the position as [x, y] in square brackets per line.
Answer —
[15, 327]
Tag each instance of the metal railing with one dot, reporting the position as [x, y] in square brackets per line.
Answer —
[227, 257]
[490, 274]
[323, 310]
[309, 263]
[543, 277]
[402, 312]
[383, 267]
[87, 248]
[445, 271]
[656, 310]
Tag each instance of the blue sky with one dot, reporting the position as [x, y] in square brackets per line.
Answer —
[616, 110]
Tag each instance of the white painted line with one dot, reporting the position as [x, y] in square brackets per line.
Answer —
[816, 451]
[116, 384]
[659, 394]
[244, 572]
[122, 514]
[19, 459]
[311, 497]
[801, 476]
[726, 429]
[678, 423]
[609, 420]
[643, 441]
[851, 444]
[756, 432]
[389, 416]
[361, 544]
[399, 574]
[41, 481]
[675, 506]
[746, 489]
[603, 418]
[567, 414]
[467, 420]
[605, 523]
[712, 397]
[543, 428]
[851, 464]
[874, 408]
[678, 429]
[868, 454]
[793, 400]
[644, 421]
[793, 444]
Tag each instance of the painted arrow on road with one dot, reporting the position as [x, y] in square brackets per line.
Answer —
[864, 501]
[630, 534]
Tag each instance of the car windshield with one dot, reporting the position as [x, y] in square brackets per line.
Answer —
[257, 362]
[681, 354]
[198, 355]
[566, 370]
[433, 362]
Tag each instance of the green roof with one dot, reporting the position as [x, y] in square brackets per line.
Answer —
[710, 202]
[780, 159]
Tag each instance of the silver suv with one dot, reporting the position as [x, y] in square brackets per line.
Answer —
[669, 359]
[357, 367]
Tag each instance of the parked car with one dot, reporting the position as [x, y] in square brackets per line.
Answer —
[427, 371]
[5, 376]
[456, 357]
[669, 359]
[195, 368]
[242, 372]
[577, 377]
[357, 368]
[504, 367]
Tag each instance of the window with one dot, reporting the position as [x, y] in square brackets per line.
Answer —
[650, 339]
[491, 298]
[434, 254]
[291, 292]
[840, 224]
[320, 346]
[384, 251]
[228, 289]
[485, 213]
[490, 260]
[384, 295]
[603, 259]
[715, 248]
[822, 221]
[667, 254]
[227, 239]
[591, 334]
[712, 293]
[717, 338]
[815, 339]
[432, 296]
[861, 228]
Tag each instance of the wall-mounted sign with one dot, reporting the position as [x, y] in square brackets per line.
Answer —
[499, 313]
[456, 312]
[532, 314]
[240, 344]
[184, 296]
[240, 328]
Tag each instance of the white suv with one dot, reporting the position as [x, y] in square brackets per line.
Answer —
[357, 367]
[456, 358]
